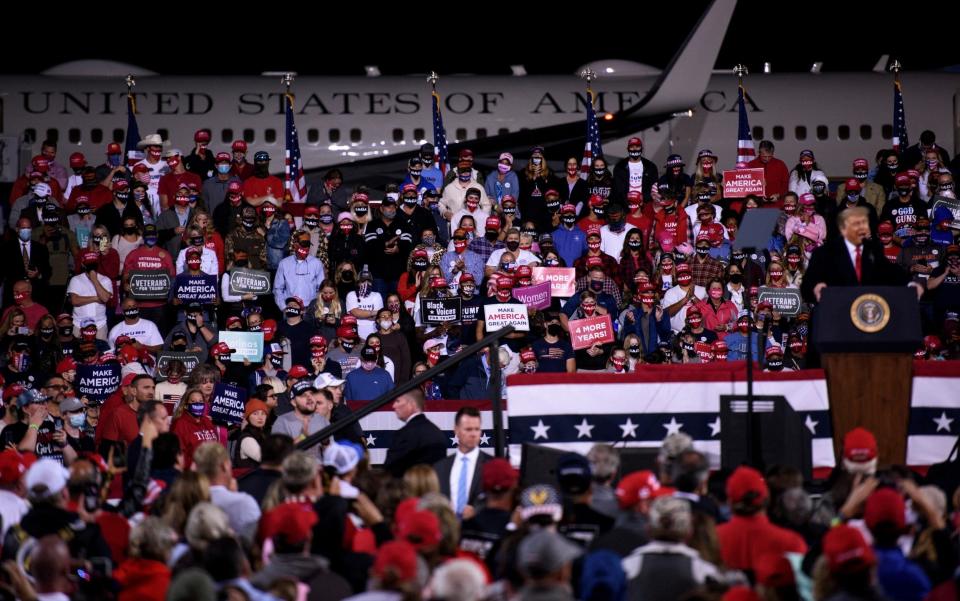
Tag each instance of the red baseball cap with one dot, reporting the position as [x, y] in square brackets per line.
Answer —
[568, 208]
[594, 262]
[774, 350]
[234, 187]
[396, 560]
[77, 160]
[860, 445]
[636, 487]
[421, 529]
[346, 332]
[318, 341]
[596, 200]
[349, 320]
[525, 271]
[740, 593]
[774, 570]
[885, 506]
[239, 146]
[408, 188]
[593, 230]
[222, 157]
[527, 355]
[493, 222]
[114, 148]
[745, 481]
[498, 475]
[438, 282]
[846, 550]
[902, 179]
[504, 282]
[860, 164]
[292, 521]
[13, 466]
[40, 163]
[12, 391]
[269, 328]
[202, 136]
[885, 227]
[90, 255]
[683, 268]
[634, 141]
[852, 185]
[466, 153]
[298, 371]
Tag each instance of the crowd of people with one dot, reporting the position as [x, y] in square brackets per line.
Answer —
[142, 493]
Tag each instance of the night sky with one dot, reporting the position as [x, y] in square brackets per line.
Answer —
[483, 38]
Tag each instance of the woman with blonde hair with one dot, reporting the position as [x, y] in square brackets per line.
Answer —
[421, 479]
[186, 492]
[212, 239]
[325, 310]
[192, 424]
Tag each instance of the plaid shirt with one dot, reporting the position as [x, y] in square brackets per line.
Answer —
[609, 286]
[704, 272]
[484, 248]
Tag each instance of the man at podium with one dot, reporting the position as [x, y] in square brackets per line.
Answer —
[854, 259]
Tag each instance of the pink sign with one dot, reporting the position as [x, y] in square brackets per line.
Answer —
[584, 333]
[738, 183]
[534, 297]
[563, 280]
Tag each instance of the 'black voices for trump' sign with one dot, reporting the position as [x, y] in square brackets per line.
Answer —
[440, 310]
[195, 288]
[97, 382]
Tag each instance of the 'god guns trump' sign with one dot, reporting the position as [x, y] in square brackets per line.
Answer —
[587, 332]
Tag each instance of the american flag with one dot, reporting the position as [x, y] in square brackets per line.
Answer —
[745, 151]
[439, 136]
[131, 151]
[592, 146]
[294, 180]
[899, 118]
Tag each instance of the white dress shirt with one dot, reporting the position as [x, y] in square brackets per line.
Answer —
[473, 456]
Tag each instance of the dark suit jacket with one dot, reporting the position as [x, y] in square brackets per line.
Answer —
[445, 466]
[831, 264]
[13, 270]
[418, 441]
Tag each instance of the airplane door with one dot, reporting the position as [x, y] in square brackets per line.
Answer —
[956, 123]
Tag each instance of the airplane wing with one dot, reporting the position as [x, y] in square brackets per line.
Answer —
[678, 88]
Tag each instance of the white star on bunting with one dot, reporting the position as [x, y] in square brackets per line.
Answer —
[584, 430]
[629, 428]
[540, 430]
[673, 427]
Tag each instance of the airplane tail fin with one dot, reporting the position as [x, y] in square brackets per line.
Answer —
[682, 82]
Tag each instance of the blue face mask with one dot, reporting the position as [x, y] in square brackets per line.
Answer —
[24, 233]
[223, 169]
[150, 241]
[196, 409]
[77, 420]
[114, 160]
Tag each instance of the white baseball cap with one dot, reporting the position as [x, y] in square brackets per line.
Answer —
[325, 379]
[45, 478]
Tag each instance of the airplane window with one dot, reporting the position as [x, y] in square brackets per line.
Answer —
[461, 133]
[334, 135]
[270, 136]
[313, 135]
[73, 134]
[118, 135]
[164, 134]
[866, 132]
[886, 132]
[249, 136]
[96, 135]
[397, 134]
[822, 132]
[778, 132]
[29, 135]
[801, 132]
[843, 132]
[418, 134]
[355, 135]
[226, 136]
[757, 132]
[53, 134]
[481, 132]
[503, 131]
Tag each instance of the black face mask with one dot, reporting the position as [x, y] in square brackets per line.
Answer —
[410, 201]
[130, 230]
[276, 362]
[569, 221]
[818, 189]
[248, 223]
[196, 241]
[555, 330]
[191, 319]
[634, 154]
[736, 278]
[634, 244]
[509, 211]
[420, 265]
[132, 313]
[311, 222]
[181, 347]
[634, 351]
[599, 172]
[261, 170]
[703, 250]
[775, 364]
[47, 332]
[66, 331]
[256, 328]
[903, 192]
[738, 257]
[361, 210]
[292, 312]
[491, 235]
[241, 263]
[346, 346]
[513, 245]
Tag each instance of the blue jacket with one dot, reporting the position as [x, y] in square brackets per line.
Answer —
[433, 176]
[659, 330]
[278, 242]
[570, 244]
[737, 346]
[900, 579]
[363, 385]
[496, 190]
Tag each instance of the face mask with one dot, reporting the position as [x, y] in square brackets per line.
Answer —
[410, 201]
[736, 278]
[131, 313]
[572, 170]
[903, 192]
[512, 245]
[634, 351]
[667, 268]
[806, 165]
[241, 263]
[775, 364]
[223, 168]
[596, 285]
[360, 210]
[468, 290]
[181, 200]
[893, 166]
[776, 274]
[551, 263]
[47, 332]
[389, 213]
[464, 176]
[77, 420]
[139, 194]
[292, 312]
[385, 324]
[537, 160]
[634, 244]
[694, 322]
[276, 362]
[508, 267]
[346, 346]
[598, 211]
[113, 160]
[503, 168]
[193, 265]
[509, 211]
[433, 357]
[66, 331]
[886, 239]
[634, 154]
[647, 300]
[703, 250]
[618, 363]
[860, 175]
[311, 222]
[716, 294]
[593, 246]
[419, 264]
[589, 310]
[130, 230]
[196, 409]
[24, 234]
[599, 172]
[555, 330]
[196, 241]
[743, 326]
[302, 253]
[853, 197]
[363, 289]
[459, 246]
[685, 279]
[503, 295]
[569, 221]
[818, 188]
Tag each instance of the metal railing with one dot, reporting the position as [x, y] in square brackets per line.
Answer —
[490, 341]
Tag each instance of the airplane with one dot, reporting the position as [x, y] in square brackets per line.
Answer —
[372, 125]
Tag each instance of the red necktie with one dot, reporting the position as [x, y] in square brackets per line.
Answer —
[858, 266]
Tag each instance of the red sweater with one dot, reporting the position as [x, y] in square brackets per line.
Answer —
[142, 580]
[745, 540]
[192, 433]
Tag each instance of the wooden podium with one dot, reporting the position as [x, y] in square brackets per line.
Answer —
[867, 336]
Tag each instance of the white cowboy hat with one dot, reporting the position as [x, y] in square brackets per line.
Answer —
[151, 140]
